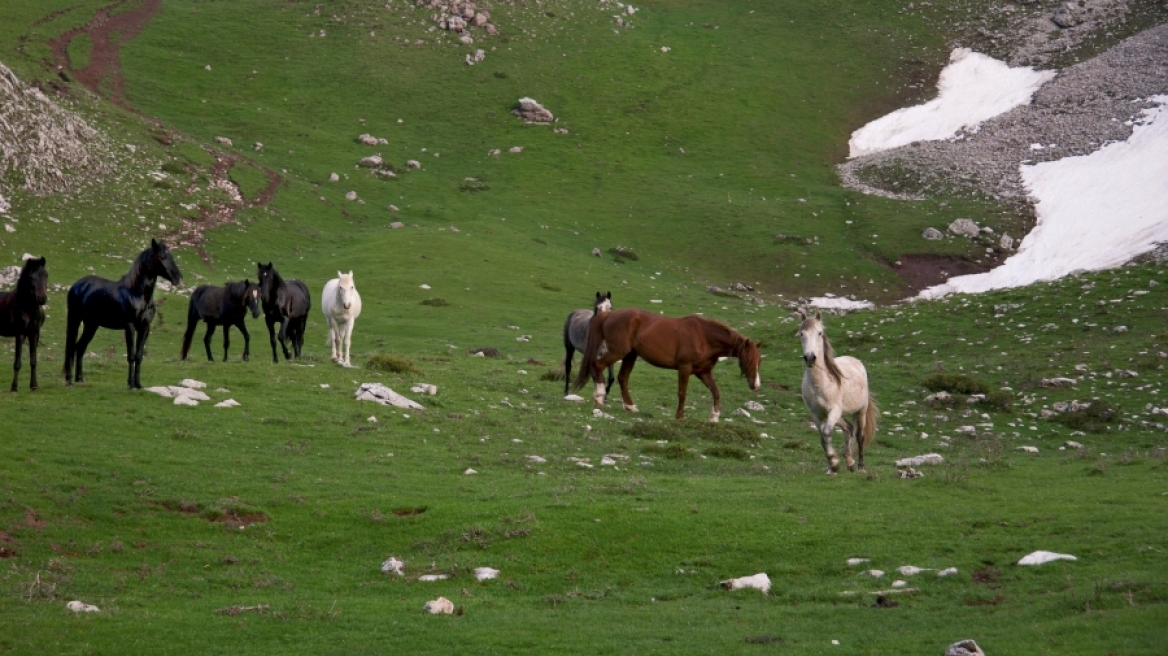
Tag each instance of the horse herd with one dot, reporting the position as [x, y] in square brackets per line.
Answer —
[127, 304]
[834, 389]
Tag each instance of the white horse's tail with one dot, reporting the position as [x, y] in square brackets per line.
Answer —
[868, 421]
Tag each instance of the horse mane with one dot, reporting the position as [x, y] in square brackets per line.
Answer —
[133, 277]
[24, 282]
[829, 361]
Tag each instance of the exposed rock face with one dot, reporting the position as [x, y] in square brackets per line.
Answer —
[52, 148]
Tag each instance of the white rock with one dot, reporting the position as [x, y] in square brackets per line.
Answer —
[352, 195]
[964, 648]
[1029, 449]
[575, 398]
[469, 472]
[424, 388]
[485, 573]
[394, 566]
[597, 412]
[185, 400]
[192, 383]
[423, 286]
[1071, 444]
[515, 149]
[161, 391]
[876, 573]
[857, 561]
[917, 461]
[413, 164]
[754, 406]
[82, 607]
[606, 461]
[439, 606]
[229, 403]
[537, 459]
[909, 570]
[742, 411]
[759, 581]
[334, 178]
[1059, 382]
[1041, 557]
[385, 396]
[428, 578]
[899, 584]
[964, 227]
[948, 571]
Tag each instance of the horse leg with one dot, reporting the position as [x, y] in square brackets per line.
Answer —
[246, 339]
[348, 340]
[708, 378]
[298, 336]
[139, 353]
[33, 340]
[626, 370]
[683, 374]
[597, 367]
[849, 444]
[608, 387]
[130, 351]
[207, 341]
[272, 337]
[226, 339]
[825, 430]
[570, 351]
[16, 362]
[79, 349]
[189, 335]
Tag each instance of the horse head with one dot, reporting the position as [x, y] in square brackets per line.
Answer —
[812, 336]
[346, 290]
[602, 303]
[251, 297]
[749, 361]
[267, 277]
[34, 280]
[162, 264]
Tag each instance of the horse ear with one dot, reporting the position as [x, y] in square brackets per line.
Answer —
[350, 274]
[802, 315]
[818, 315]
[339, 274]
[608, 295]
[761, 343]
[153, 243]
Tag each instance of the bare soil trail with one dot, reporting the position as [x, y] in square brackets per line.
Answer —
[108, 31]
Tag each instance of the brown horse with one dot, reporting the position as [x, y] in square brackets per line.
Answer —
[691, 345]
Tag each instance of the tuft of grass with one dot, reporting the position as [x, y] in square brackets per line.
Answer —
[728, 451]
[673, 451]
[674, 430]
[391, 363]
[956, 384]
[621, 254]
[435, 302]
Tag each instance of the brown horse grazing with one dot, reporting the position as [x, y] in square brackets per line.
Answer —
[691, 345]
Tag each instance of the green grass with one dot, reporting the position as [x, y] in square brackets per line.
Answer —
[169, 517]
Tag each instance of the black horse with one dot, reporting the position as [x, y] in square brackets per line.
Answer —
[222, 306]
[286, 303]
[127, 305]
[22, 313]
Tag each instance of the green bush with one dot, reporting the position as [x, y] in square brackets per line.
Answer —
[728, 451]
[1095, 418]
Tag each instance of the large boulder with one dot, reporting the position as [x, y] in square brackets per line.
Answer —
[964, 228]
[964, 648]
[1068, 15]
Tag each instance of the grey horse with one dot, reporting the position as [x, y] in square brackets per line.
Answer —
[576, 335]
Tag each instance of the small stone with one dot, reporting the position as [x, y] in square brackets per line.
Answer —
[439, 606]
[932, 234]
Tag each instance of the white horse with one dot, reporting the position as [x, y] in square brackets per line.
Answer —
[835, 388]
[341, 305]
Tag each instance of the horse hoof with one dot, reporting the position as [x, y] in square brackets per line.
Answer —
[830, 471]
[631, 408]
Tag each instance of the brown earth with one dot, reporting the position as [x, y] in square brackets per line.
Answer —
[920, 272]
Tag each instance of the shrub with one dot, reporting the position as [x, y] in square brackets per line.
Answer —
[1002, 400]
[956, 384]
[174, 168]
[620, 254]
[391, 363]
[1094, 418]
[674, 430]
[435, 302]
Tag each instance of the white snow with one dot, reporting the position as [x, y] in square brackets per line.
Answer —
[1094, 212]
[835, 303]
[971, 89]
[1040, 557]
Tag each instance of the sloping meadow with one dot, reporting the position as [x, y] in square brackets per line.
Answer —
[263, 527]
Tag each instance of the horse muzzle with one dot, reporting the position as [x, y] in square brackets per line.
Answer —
[348, 306]
[809, 360]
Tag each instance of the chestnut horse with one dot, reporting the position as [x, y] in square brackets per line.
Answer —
[691, 345]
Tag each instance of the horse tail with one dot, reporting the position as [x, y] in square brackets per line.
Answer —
[591, 350]
[192, 322]
[72, 323]
[869, 421]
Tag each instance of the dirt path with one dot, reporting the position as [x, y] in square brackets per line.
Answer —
[103, 75]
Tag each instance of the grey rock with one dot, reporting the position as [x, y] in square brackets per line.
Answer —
[1068, 15]
[964, 228]
[964, 648]
[932, 234]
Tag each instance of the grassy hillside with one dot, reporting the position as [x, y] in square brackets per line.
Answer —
[176, 521]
